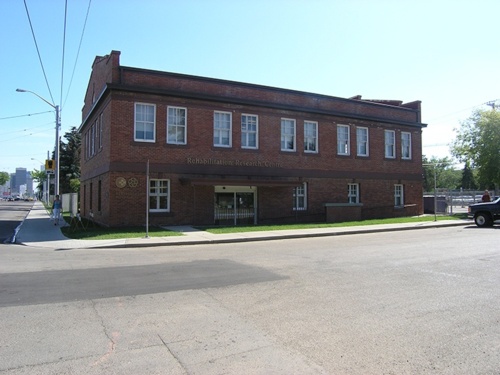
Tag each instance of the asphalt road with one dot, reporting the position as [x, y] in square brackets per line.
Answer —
[11, 215]
[413, 302]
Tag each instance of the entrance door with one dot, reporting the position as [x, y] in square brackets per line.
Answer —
[235, 205]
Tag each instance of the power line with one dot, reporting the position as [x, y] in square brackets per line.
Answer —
[63, 48]
[78, 52]
[27, 115]
[38, 50]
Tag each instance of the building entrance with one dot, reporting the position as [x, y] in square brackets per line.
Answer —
[235, 205]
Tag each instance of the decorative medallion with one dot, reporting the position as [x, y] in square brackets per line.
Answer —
[121, 182]
[133, 182]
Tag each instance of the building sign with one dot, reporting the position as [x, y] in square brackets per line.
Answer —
[234, 163]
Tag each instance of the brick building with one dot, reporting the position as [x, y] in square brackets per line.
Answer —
[206, 151]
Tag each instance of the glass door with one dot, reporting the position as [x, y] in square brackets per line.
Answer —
[234, 206]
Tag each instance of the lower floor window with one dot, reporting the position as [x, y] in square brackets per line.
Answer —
[300, 197]
[398, 195]
[353, 193]
[159, 195]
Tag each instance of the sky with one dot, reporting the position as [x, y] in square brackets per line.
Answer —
[442, 52]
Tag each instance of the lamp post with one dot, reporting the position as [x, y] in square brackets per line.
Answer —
[58, 124]
[435, 187]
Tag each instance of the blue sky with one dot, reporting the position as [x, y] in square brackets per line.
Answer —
[444, 53]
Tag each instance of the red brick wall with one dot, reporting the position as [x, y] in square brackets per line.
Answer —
[326, 172]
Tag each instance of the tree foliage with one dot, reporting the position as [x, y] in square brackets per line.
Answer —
[446, 176]
[478, 143]
[69, 161]
[4, 177]
[40, 177]
[468, 178]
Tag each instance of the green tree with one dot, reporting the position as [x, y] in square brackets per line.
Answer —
[446, 176]
[478, 142]
[468, 179]
[40, 177]
[69, 161]
[4, 177]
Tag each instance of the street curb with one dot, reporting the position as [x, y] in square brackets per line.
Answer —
[270, 238]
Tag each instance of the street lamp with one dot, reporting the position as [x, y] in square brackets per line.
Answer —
[58, 124]
[435, 186]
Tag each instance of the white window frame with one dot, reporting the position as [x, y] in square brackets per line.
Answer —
[154, 192]
[406, 145]
[362, 141]
[247, 121]
[311, 137]
[399, 195]
[176, 126]
[288, 134]
[101, 125]
[343, 140]
[390, 144]
[144, 122]
[300, 197]
[221, 129]
[353, 193]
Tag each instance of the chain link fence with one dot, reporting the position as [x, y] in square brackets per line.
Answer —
[452, 201]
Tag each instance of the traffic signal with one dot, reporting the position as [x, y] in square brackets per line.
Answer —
[49, 165]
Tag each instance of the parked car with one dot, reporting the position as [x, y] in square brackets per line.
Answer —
[485, 214]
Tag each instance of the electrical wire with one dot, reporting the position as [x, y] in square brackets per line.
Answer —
[27, 115]
[63, 48]
[38, 50]
[78, 52]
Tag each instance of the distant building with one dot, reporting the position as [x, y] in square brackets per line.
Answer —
[224, 152]
[21, 182]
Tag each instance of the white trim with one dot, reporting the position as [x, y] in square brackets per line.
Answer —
[403, 145]
[176, 125]
[367, 141]
[157, 196]
[222, 129]
[256, 147]
[154, 122]
[392, 145]
[316, 138]
[282, 140]
[345, 146]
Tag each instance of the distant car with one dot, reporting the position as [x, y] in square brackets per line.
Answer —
[485, 214]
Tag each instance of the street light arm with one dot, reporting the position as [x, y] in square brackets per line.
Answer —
[34, 93]
[58, 123]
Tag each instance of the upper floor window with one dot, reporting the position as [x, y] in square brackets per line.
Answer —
[398, 195]
[101, 126]
[353, 193]
[159, 195]
[310, 136]
[176, 125]
[287, 135]
[249, 131]
[390, 144]
[343, 140]
[300, 197]
[362, 141]
[405, 145]
[144, 125]
[222, 129]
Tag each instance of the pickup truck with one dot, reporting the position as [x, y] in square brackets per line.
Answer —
[485, 214]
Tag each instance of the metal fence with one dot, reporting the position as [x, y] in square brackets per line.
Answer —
[452, 201]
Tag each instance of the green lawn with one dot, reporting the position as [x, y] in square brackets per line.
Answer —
[256, 228]
[94, 232]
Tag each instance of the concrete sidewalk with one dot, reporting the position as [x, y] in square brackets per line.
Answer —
[39, 231]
